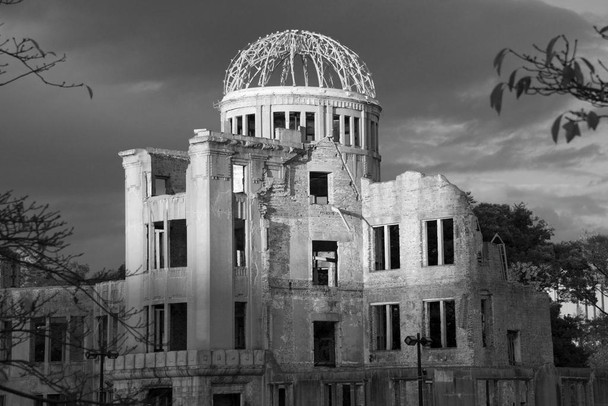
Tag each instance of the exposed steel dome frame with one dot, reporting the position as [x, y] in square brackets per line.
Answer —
[280, 50]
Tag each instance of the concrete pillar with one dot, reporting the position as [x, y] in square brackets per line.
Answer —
[210, 245]
[138, 172]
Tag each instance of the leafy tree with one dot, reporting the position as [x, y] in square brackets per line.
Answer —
[23, 57]
[567, 334]
[525, 235]
[558, 68]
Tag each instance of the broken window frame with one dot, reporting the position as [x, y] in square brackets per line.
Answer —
[294, 120]
[162, 245]
[356, 132]
[386, 326]
[318, 187]
[325, 263]
[441, 327]
[387, 250]
[278, 122]
[439, 237]
[160, 396]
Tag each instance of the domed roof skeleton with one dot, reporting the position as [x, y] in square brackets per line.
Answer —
[260, 59]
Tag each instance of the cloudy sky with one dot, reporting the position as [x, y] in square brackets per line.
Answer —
[156, 68]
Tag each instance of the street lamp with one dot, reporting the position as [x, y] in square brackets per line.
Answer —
[418, 342]
[102, 354]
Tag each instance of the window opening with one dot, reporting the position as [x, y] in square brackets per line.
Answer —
[386, 256]
[239, 242]
[319, 188]
[239, 325]
[324, 343]
[57, 336]
[227, 399]
[238, 179]
[441, 323]
[440, 242]
[250, 125]
[514, 350]
[282, 397]
[278, 121]
[178, 340]
[160, 185]
[38, 339]
[356, 131]
[239, 125]
[102, 332]
[336, 127]
[159, 245]
[346, 130]
[159, 327]
[178, 244]
[310, 127]
[386, 326]
[159, 397]
[294, 120]
[76, 338]
[325, 263]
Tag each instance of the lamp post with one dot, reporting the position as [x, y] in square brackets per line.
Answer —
[418, 342]
[102, 353]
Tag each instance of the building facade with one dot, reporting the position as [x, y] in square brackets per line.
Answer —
[269, 265]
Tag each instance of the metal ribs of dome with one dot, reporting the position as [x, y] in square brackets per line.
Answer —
[279, 51]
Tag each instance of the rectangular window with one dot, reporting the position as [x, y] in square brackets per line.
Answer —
[386, 255]
[310, 127]
[159, 327]
[441, 323]
[325, 263]
[344, 394]
[6, 340]
[319, 188]
[239, 125]
[514, 350]
[386, 327]
[250, 125]
[76, 338]
[240, 240]
[439, 242]
[278, 121]
[159, 397]
[38, 339]
[178, 340]
[346, 130]
[102, 332]
[238, 179]
[294, 120]
[336, 127]
[159, 245]
[160, 185]
[227, 399]
[178, 244]
[57, 337]
[239, 325]
[356, 131]
[324, 343]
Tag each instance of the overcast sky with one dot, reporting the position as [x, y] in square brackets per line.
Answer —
[156, 68]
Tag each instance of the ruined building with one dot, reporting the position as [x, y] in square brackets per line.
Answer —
[269, 264]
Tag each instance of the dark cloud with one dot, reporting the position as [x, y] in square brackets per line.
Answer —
[156, 68]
